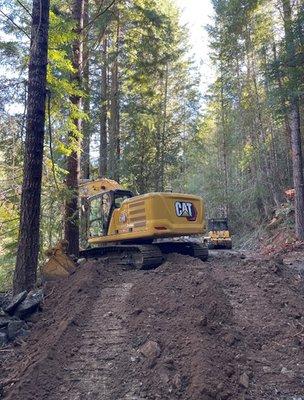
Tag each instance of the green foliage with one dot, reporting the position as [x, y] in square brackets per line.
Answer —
[243, 161]
[159, 95]
[12, 129]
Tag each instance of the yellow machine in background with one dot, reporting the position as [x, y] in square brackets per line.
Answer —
[133, 230]
[219, 234]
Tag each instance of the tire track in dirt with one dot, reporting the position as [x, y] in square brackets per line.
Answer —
[92, 372]
[81, 352]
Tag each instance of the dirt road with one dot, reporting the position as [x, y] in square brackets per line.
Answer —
[227, 329]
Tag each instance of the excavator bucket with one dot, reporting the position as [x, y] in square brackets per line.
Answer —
[59, 264]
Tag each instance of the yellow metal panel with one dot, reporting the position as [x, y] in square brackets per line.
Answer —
[90, 188]
[219, 234]
[154, 215]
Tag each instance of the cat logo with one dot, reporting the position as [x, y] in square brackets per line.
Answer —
[185, 209]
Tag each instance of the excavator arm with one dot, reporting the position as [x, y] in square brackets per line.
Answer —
[92, 188]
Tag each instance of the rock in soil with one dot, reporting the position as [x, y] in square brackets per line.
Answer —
[3, 339]
[244, 380]
[4, 321]
[230, 339]
[150, 350]
[16, 300]
[14, 328]
[30, 304]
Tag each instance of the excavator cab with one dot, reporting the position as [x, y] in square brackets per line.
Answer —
[100, 209]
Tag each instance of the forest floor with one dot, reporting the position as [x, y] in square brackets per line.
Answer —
[231, 328]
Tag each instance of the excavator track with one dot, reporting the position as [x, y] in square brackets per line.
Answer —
[191, 249]
[146, 256]
[137, 256]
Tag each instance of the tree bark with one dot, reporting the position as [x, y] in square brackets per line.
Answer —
[164, 130]
[103, 144]
[297, 161]
[86, 141]
[28, 248]
[294, 118]
[114, 139]
[161, 133]
[73, 161]
[224, 147]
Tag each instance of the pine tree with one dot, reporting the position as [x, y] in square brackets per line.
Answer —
[294, 118]
[28, 248]
[73, 160]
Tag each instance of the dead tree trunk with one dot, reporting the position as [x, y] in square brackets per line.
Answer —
[73, 161]
[294, 117]
[103, 144]
[28, 248]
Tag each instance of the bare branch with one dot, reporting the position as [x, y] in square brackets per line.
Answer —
[14, 23]
[24, 7]
[99, 14]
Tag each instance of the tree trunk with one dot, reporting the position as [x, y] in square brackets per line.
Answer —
[85, 162]
[161, 133]
[224, 148]
[157, 160]
[279, 80]
[264, 161]
[28, 248]
[103, 144]
[73, 161]
[283, 101]
[164, 130]
[297, 161]
[114, 140]
[294, 117]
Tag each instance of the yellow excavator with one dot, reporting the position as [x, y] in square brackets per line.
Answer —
[137, 230]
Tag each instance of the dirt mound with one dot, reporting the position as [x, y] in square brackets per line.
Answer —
[65, 301]
[229, 329]
[171, 336]
[183, 309]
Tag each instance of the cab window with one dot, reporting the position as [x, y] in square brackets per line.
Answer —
[120, 199]
[95, 221]
[100, 209]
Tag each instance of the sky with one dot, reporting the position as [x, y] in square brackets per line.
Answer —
[196, 14]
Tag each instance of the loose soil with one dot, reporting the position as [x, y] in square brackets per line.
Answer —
[231, 328]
